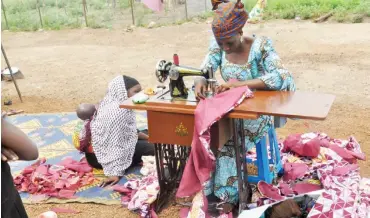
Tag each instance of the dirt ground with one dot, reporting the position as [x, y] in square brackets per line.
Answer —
[65, 68]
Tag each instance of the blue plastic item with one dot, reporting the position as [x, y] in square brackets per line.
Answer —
[263, 163]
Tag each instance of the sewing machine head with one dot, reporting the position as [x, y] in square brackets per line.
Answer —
[165, 69]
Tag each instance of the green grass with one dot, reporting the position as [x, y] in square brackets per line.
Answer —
[22, 15]
[344, 10]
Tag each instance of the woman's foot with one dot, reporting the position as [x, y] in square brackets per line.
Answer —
[226, 208]
[213, 203]
[111, 180]
[186, 202]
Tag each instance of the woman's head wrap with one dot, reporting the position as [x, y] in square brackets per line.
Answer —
[229, 19]
[130, 82]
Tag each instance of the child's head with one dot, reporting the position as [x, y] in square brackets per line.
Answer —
[85, 111]
[132, 86]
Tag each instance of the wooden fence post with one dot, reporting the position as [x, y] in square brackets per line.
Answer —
[6, 20]
[85, 7]
[186, 9]
[205, 5]
[11, 72]
[132, 11]
[38, 8]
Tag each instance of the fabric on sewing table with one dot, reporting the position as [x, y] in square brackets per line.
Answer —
[202, 161]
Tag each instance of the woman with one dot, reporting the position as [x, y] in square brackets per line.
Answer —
[15, 145]
[109, 138]
[243, 61]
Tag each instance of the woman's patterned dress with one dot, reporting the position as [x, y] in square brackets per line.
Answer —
[265, 64]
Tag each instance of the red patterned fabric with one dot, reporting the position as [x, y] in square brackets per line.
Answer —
[61, 180]
[345, 193]
[202, 161]
[268, 190]
[229, 20]
[301, 146]
[293, 171]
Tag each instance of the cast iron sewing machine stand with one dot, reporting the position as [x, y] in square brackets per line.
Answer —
[171, 124]
[171, 161]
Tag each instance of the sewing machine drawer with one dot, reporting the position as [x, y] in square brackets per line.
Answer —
[174, 128]
[170, 128]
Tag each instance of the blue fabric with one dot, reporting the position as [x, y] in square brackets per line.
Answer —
[263, 63]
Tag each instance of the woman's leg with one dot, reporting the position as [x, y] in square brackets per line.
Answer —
[93, 161]
[226, 179]
[143, 148]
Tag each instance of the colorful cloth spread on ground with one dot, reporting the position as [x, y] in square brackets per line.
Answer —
[140, 194]
[346, 193]
[61, 180]
[202, 161]
[53, 135]
[265, 64]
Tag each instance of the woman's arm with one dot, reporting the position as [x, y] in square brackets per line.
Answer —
[14, 139]
[257, 84]
[277, 77]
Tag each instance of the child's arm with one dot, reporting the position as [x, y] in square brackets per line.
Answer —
[15, 140]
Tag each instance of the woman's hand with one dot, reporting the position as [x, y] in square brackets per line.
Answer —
[223, 87]
[112, 180]
[228, 85]
[199, 91]
[8, 154]
[143, 136]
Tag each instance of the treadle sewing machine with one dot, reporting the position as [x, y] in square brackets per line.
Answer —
[175, 72]
[170, 115]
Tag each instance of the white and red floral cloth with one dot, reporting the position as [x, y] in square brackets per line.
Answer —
[345, 194]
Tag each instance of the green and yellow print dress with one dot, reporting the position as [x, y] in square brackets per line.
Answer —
[265, 64]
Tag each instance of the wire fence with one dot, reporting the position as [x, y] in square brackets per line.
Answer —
[31, 15]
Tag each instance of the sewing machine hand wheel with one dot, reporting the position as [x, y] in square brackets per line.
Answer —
[162, 70]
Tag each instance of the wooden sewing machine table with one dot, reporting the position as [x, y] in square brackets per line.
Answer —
[171, 126]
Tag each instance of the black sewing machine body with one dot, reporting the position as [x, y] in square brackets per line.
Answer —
[176, 73]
